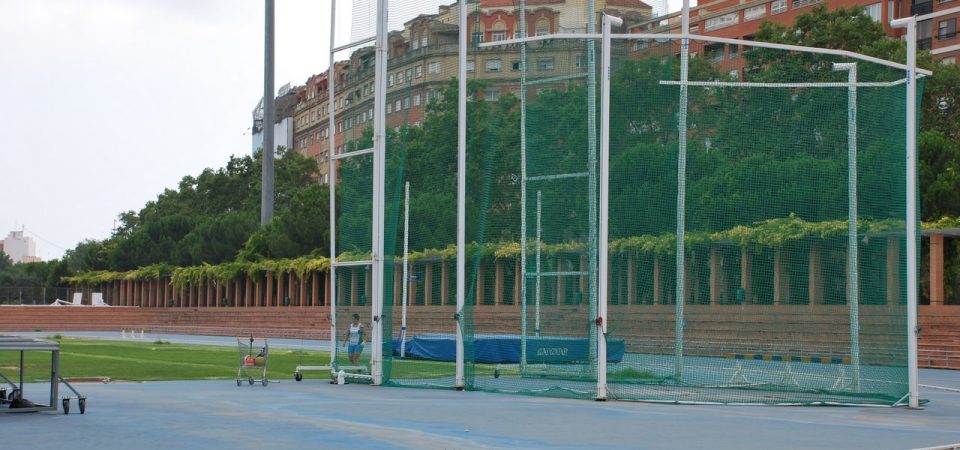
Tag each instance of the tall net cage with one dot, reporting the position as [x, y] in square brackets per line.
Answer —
[781, 172]
[718, 223]
[792, 280]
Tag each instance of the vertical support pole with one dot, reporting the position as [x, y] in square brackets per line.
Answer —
[461, 191]
[593, 256]
[266, 193]
[536, 326]
[913, 331]
[602, 244]
[523, 189]
[332, 178]
[853, 266]
[379, 175]
[406, 267]
[681, 189]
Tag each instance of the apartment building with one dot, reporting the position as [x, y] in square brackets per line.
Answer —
[739, 19]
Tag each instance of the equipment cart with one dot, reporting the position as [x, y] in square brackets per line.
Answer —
[254, 356]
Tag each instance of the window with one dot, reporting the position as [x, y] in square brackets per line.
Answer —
[434, 67]
[418, 71]
[891, 13]
[477, 37]
[947, 30]
[406, 103]
[581, 61]
[423, 40]
[471, 66]
[873, 11]
[642, 44]
[754, 13]
[948, 60]
[778, 6]
[543, 26]
[493, 65]
[491, 95]
[416, 100]
[733, 51]
[802, 3]
[500, 35]
[396, 106]
[545, 63]
[722, 21]
[514, 65]
[389, 107]
[415, 42]
[409, 74]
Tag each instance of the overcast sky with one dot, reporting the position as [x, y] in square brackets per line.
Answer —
[109, 102]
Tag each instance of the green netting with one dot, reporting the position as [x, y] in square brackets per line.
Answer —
[770, 298]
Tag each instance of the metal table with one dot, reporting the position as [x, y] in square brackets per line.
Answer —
[23, 345]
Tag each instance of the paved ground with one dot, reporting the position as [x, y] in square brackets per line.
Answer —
[315, 414]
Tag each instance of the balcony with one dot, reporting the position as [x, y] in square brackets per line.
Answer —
[946, 36]
[921, 8]
[925, 43]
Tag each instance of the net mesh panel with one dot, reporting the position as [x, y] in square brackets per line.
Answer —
[766, 284]
[421, 151]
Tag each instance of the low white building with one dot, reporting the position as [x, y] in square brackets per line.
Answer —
[20, 248]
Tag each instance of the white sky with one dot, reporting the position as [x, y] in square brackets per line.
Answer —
[109, 102]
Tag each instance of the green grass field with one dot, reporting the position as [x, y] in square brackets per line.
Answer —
[150, 361]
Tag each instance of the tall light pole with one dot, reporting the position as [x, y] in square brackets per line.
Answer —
[266, 192]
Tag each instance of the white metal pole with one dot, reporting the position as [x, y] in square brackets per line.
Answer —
[523, 189]
[461, 191]
[681, 189]
[379, 174]
[406, 262]
[332, 179]
[853, 266]
[592, 179]
[913, 331]
[604, 230]
[913, 373]
[536, 326]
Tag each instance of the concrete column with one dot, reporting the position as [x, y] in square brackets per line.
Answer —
[715, 274]
[315, 286]
[268, 292]
[498, 282]
[247, 290]
[444, 283]
[559, 281]
[428, 284]
[479, 289]
[302, 298]
[631, 280]
[745, 274]
[781, 279]
[657, 291]
[815, 275]
[280, 277]
[936, 269]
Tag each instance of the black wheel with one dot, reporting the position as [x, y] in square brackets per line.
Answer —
[66, 406]
[496, 373]
[238, 382]
[83, 405]
[250, 380]
[298, 376]
[264, 382]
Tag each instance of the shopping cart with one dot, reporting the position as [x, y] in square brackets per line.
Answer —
[254, 356]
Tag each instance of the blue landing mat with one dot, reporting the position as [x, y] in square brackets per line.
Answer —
[505, 348]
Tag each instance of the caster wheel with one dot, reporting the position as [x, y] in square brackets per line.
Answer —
[250, 380]
[496, 373]
[83, 405]
[238, 382]
[264, 382]
[66, 406]
[298, 376]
